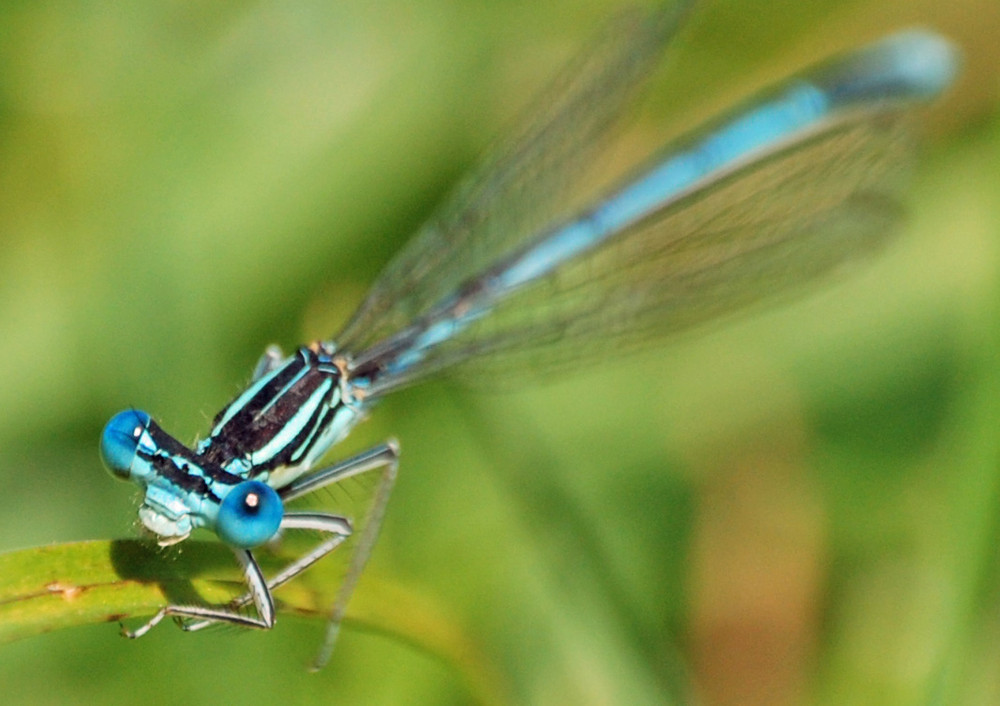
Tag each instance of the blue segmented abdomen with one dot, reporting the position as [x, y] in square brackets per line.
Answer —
[905, 67]
[877, 80]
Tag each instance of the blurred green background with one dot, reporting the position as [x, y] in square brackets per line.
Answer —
[797, 507]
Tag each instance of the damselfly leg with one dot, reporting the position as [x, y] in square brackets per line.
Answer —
[269, 361]
[383, 457]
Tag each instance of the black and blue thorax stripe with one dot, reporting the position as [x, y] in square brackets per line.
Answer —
[282, 420]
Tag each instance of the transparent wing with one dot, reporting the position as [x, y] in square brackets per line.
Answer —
[532, 180]
[799, 180]
[762, 231]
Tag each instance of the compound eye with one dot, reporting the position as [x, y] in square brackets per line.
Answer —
[250, 515]
[120, 439]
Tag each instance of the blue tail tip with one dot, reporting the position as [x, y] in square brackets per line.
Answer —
[926, 61]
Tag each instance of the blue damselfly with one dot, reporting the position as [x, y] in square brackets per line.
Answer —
[531, 256]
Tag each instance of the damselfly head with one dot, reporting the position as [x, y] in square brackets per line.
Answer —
[121, 439]
[135, 448]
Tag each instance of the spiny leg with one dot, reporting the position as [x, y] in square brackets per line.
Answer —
[271, 359]
[259, 595]
[339, 529]
[382, 456]
[385, 456]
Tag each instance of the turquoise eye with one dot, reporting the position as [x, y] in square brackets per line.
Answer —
[120, 439]
[250, 515]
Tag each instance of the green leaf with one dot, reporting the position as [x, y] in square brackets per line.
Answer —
[64, 585]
